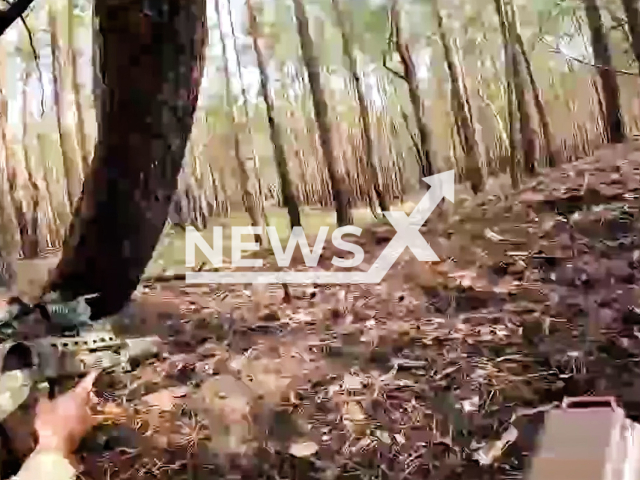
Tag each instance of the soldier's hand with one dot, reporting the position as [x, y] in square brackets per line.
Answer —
[61, 423]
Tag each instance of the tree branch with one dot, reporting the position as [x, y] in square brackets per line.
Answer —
[391, 70]
[588, 64]
[11, 14]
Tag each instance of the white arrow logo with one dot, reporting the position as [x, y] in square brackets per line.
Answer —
[407, 236]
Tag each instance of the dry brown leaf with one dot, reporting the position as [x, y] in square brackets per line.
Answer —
[303, 449]
[166, 399]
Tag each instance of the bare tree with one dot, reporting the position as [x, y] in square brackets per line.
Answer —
[275, 132]
[367, 137]
[253, 203]
[72, 173]
[321, 110]
[614, 125]
[459, 106]
[509, 93]
[632, 12]
[410, 77]
[81, 131]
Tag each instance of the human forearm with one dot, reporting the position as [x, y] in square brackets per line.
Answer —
[49, 464]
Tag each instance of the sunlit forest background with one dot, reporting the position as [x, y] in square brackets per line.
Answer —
[364, 97]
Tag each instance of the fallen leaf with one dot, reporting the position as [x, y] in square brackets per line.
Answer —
[303, 449]
[165, 399]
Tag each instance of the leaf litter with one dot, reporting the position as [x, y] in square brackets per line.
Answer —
[443, 369]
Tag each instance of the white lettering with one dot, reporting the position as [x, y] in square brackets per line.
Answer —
[193, 238]
[358, 252]
[237, 246]
[297, 236]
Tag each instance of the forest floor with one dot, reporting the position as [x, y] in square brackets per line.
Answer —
[534, 299]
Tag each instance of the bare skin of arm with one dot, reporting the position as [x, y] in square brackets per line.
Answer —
[60, 425]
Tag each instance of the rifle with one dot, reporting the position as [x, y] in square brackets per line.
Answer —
[46, 347]
[77, 347]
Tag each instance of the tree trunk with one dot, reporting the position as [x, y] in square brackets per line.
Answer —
[632, 12]
[253, 203]
[60, 216]
[245, 104]
[502, 131]
[72, 174]
[613, 123]
[17, 184]
[527, 134]
[411, 78]
[81, 134]
[465, 128]
[96, 60]
[545, 126]
[275, 132]
[145, 120]
[36, 240]
[9, 236]
[365, 120]
[509, 93]
[321, 110]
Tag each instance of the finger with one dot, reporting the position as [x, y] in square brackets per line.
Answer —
[85, 385]
[43, 405]
[94, 400]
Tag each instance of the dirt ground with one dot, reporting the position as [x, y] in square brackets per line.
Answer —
[534, 299]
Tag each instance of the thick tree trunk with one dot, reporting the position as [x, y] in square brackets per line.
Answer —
[321, 110]
[411, 78]
[613, 123]
[365, 120]
[464, 123]
[72, 174]
[275, 132]
[153, 64]
[632, 12]
[253, 203]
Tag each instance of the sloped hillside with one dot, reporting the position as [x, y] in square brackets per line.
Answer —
[422, 374]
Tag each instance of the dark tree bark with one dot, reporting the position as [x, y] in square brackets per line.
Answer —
[152, 60]
[321, 110]
[614, 125]
[275, 132]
